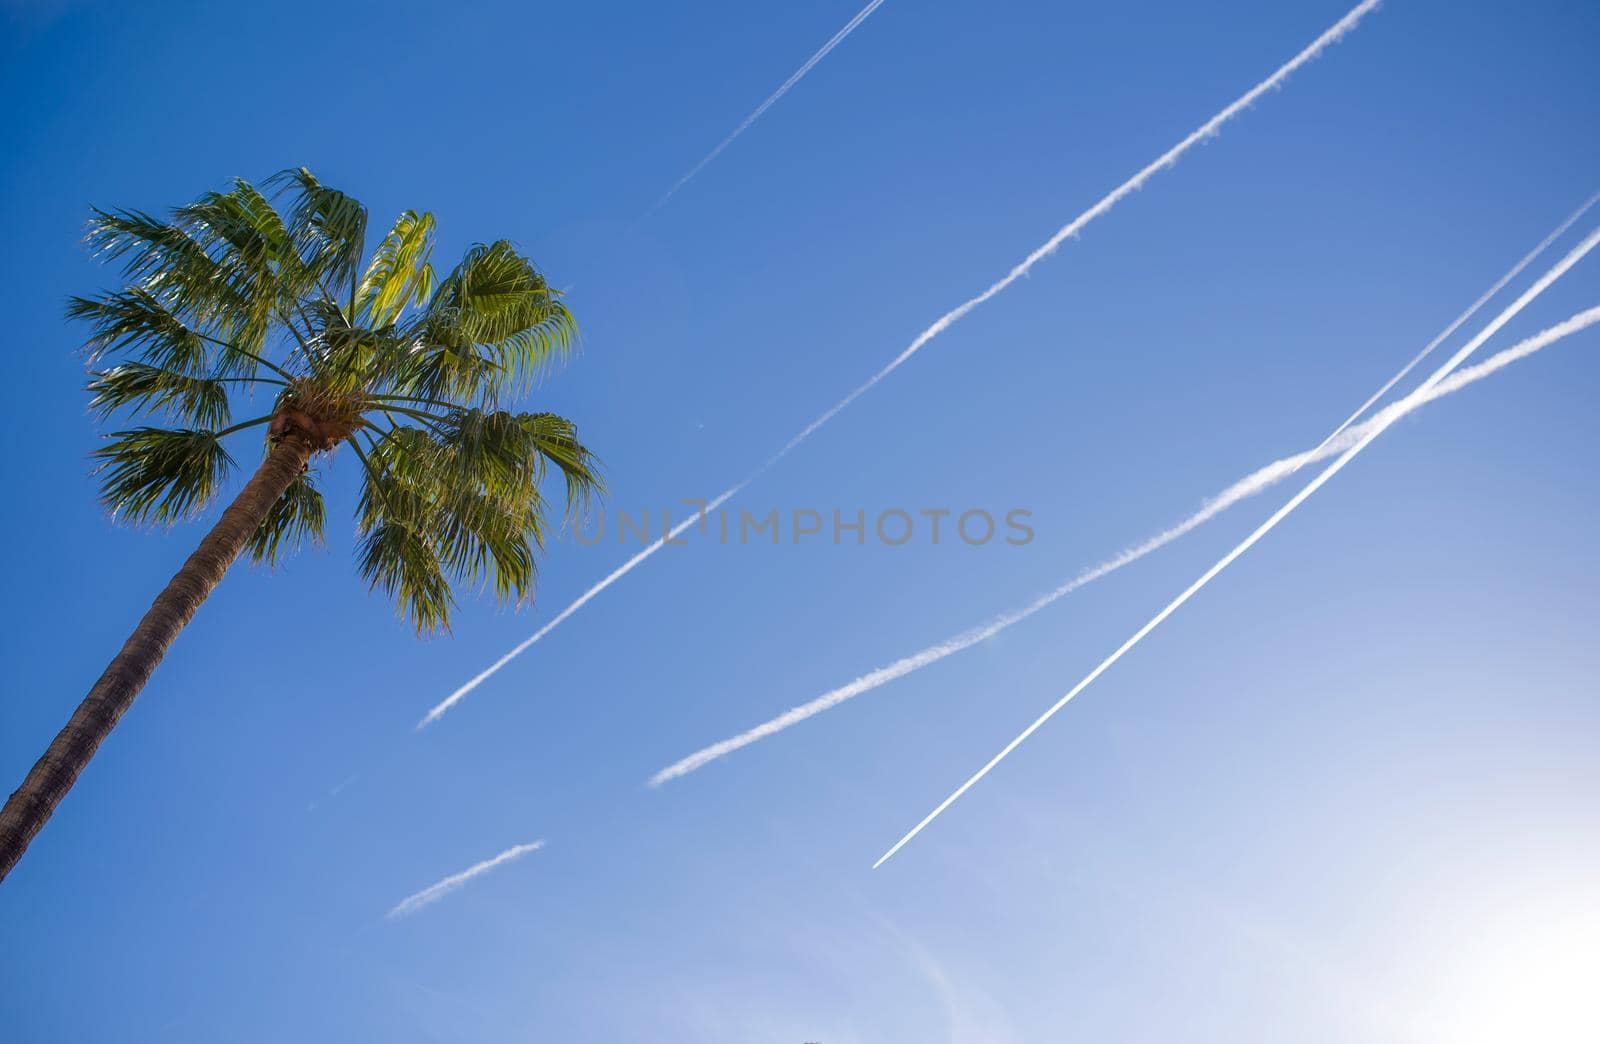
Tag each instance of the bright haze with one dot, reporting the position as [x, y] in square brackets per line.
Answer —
[1348, 793]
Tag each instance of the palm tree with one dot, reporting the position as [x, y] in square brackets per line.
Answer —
[261, 296]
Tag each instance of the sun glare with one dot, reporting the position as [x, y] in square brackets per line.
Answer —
[1530, 976]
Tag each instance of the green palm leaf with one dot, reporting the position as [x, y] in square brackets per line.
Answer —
[399, 273]
[168, 263]
[140, 387]
[269, 294]
[134, 321]
[161, 474]
[396, 558]
[329, 230]
[299, 515]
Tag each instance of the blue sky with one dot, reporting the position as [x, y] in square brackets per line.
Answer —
[1346, 794]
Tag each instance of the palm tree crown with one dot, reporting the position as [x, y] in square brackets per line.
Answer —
[251, 296]
[234, 300]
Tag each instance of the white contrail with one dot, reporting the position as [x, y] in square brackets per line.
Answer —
[433, 893]
[1499, 285]
[1246, 487]
[1383, 420]
[1167, 159]
[612, 577]
[1333, 35]
[760, 110]
[1256, 482]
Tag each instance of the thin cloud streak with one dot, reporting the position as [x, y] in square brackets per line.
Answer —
[1382, 422]
[1339, 30]
[1249, 486]
[772, 99]
[582, 600]
[433, 893]
[1256, 482]
[1170, 158]
[1444, 334]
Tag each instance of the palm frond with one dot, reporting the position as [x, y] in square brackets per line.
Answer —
[435, 366]
[399, 273]
[196, 401]
[159, 474]
[297, 516]
[353, 358]
[395, 557]
[496, 308]
[472, 502]
[133, 320]
[487, 448]
[528, 354]
[329, 230]
[169, 264]
[243, 223]
[508, 453]
[555, 439]
[371, 351]
[479, 541]
[242, 231]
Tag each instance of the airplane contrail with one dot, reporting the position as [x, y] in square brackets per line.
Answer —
[760, 110]
[433, 893]
[1499, 285]
[1167, 159]
[1256, 482]
[610, 578]
[1383, 420]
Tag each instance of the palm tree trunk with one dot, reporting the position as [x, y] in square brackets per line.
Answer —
[52, 776]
